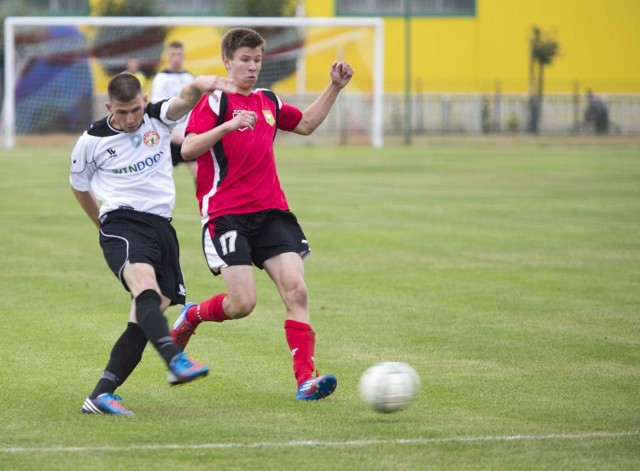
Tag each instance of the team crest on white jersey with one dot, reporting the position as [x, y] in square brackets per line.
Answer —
[151, 138]
[136, 140]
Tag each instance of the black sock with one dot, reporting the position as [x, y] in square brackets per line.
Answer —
[154, 325]
[125, 356]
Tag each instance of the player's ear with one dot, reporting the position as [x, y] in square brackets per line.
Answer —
[108, 106]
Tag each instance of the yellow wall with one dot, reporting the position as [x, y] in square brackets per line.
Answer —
[599, 46]
[599, 49]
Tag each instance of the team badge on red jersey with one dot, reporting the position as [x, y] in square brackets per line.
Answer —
[150, 138]
[269, 117]
[236, 113]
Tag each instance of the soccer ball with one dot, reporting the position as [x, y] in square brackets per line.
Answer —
[389, 386]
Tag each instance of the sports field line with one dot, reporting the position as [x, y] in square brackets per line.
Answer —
[312, 443]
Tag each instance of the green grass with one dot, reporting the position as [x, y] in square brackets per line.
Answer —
[507, 273]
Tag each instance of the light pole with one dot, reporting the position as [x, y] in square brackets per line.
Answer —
[407, 72]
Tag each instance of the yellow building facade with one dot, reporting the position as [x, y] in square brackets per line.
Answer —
[483, 53]
[599, 46]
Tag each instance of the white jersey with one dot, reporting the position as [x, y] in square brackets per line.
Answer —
[167, 84]
[131, 170]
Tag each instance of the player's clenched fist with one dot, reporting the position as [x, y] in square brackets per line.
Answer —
[341, 72]
[244, 119]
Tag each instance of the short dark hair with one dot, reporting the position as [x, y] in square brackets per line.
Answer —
[236, 38]
[124, 87]
[176, 45]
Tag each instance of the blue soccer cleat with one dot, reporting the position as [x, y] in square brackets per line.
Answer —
[182, 330]
[183, 370]
[317, 388]
[105, 403]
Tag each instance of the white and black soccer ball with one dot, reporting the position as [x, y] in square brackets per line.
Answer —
[389, 386]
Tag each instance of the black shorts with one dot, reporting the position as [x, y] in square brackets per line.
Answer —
[128, 235]
[245, 239]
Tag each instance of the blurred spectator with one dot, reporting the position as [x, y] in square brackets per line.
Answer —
[168, 83]
[133, 68]
[597, 114]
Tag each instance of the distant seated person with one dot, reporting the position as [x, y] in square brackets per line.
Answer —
[133, 68]
[597, 114]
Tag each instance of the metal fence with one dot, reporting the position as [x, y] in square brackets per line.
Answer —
[349, 122]
[561, 114]
[470, 114]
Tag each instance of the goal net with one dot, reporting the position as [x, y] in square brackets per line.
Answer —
[57, 68]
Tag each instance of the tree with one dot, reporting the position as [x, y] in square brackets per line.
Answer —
[283, 43]
[123, 7]
[543, 49]
[260, 7]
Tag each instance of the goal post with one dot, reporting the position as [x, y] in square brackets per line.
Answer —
[56, 68]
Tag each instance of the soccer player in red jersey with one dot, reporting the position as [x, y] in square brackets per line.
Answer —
[246, 218]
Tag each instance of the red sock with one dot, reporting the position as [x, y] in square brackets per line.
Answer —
[209, 310]
[302, 342]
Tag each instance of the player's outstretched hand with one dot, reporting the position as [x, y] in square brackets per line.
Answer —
[341, 73]
[211, 83]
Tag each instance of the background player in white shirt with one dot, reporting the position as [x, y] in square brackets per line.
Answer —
[168, 83]
[244, 210]
[123, 160]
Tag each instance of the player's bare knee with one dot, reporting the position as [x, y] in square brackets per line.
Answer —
[240, 308]
[142, 285]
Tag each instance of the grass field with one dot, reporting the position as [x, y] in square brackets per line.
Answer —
[507, 273]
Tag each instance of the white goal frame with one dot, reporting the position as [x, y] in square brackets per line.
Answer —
[377, 24]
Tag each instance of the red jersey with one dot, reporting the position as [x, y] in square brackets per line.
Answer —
[238, 174]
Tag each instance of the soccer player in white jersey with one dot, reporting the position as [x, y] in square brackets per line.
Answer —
[168, 83]
[245, 213]
[124, 162]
